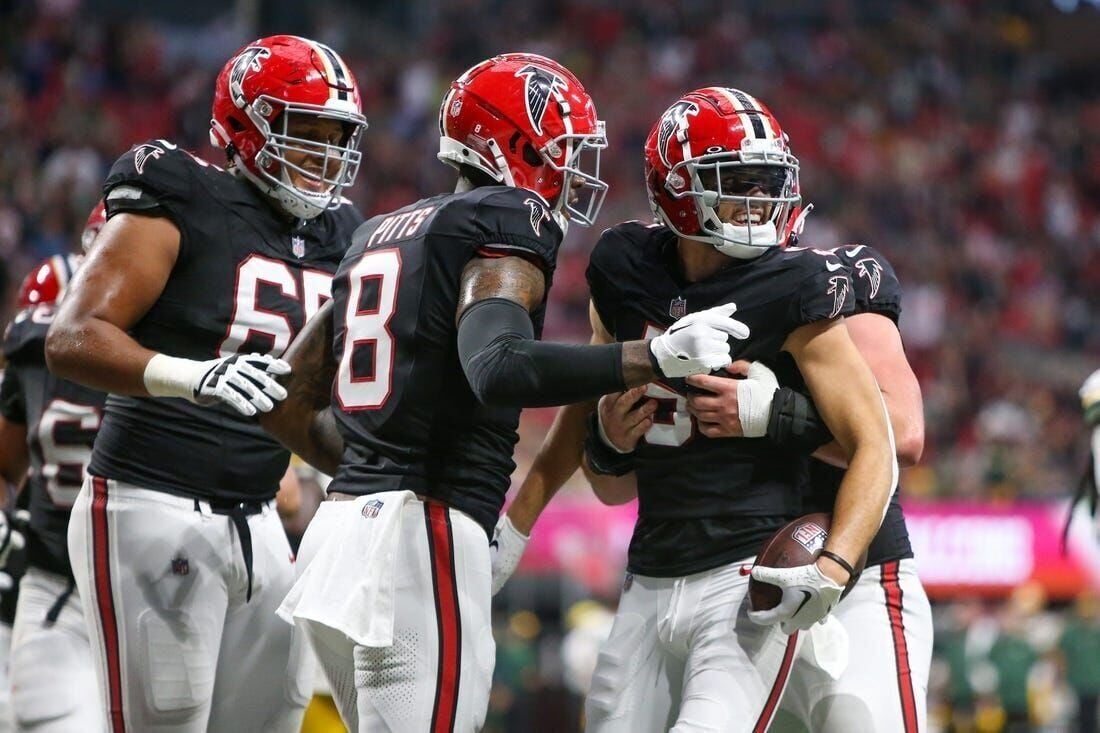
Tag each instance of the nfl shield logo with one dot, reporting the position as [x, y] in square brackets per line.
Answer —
[371, 508]
[678, 308]
[811, 535]
[298, 247]
[180, 566]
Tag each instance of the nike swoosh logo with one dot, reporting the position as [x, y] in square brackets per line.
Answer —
[805, 600]
[833, 266]
[496, 544]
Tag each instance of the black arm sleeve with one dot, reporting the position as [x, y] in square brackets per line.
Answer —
[795, 422]
[507, 367]
[13, 405]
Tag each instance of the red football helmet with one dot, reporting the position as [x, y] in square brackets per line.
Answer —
[46, 283]
[524, 120]
[95, 222]
[261, 92]
[718, 145]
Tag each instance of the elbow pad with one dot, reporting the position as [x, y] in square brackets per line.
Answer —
[507, 367]
[794, 422]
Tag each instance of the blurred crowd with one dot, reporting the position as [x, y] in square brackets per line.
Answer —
[961, 139]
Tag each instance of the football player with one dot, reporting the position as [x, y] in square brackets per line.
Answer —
[683, 653]
[48, 425]
[200, 279]
[429, 351]
[887, 616]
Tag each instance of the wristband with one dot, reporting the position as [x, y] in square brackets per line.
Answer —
[839, 561]
[794, 422]
[602, 458]
[170, 376]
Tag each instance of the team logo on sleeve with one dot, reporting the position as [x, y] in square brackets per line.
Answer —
[539, 214]
[250, 60]
[143, 154]
[541, 85]
[870, 269]
[673, 120]
[838, 288]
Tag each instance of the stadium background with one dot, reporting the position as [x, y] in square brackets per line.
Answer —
[962, 138]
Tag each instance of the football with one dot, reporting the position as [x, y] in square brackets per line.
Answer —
[795, 543]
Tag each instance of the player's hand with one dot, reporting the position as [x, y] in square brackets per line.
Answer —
[808, 596]
[1090, 398]
[623, 421]
[734, 408]
[11, 539]
[698, 343]
[244, 382]
[505, 550]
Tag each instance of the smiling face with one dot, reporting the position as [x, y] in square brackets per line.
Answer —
[746, 193]
[315, 157]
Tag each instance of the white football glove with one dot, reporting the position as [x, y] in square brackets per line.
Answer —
[754, 400]
[808, 597]
[1090, 398]
[505, 550]
[10, 537]
[698, 343]
[244, 382]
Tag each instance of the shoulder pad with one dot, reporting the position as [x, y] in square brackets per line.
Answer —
[147, 176]
[514, 221]
[876, 285]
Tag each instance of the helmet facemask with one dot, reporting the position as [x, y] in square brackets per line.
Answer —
[760, 181]
[582, 189]
[327, 167]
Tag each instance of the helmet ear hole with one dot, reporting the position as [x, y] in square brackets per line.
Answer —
[531, 156]
[236, 124]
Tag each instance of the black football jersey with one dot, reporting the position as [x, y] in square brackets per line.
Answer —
[61, 420]
[877, 290]
[246, 280]
[407, 414]
[705, 502]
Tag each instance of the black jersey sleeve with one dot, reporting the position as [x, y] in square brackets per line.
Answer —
[825, 291]
[874, 281]
[151, 178]
[605, 261]
[13, 404]
[515, 222]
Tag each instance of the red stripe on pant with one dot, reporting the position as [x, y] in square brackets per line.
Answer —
[105, 603]
[780, 684]
[442, 559]
[892, 588]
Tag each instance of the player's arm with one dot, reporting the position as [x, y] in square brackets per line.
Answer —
[879, 343]
[288, 499]
[123, 276]
[848, 399]
[506, 366]
[14, 454]
[88, 342]
[304, 422]
[561, 453]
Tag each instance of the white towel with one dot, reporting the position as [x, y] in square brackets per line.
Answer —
[348, 584]
[827, 647]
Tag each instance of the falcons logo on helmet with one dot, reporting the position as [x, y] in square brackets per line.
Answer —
[538, 215]
[838, 288]
[673, 120]
[870, 268]
[540, 86]
[250, 59]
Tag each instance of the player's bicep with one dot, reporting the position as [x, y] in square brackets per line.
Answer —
[125, 273]
[600, 334]
[312, 362]
[878, 341]
[840, 381]
[511, 278]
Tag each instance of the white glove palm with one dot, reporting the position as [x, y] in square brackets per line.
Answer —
[505, 550]
[808, 597]
[698, 343]
[245, 383]
[754, 400]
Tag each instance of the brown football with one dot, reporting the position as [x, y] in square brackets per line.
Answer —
[795, 543]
